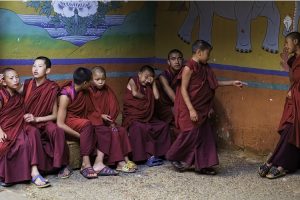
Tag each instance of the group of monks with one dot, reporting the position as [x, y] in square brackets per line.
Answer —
[163, 117]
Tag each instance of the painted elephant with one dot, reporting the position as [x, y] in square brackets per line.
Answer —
[241, 11]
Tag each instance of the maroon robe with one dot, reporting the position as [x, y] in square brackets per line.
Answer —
[164, 105]
[39, 101]
[77, 118]
[148, 136]
[195, 144]
[105, 102]
[287, 151]
[20, 151]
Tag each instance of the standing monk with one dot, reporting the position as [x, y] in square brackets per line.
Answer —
[286, 156]
[195, 144]
[40, 99]
[149, 137]
[103, 116]
[19, 143]
[72, 118]
[166, 85]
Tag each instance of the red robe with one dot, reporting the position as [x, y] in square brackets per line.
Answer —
[287, 151]
[105, 102]
[39, 101]
[20, 151]
[164, 105]
[147, 135]
[195, 145]
[77, 117]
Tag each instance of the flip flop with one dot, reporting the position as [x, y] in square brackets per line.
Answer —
[153, 161]
[126, 169]
[46, 183]
[207, 171]
[5, 184]
[61, 174]
[263, 170]
[106, 171]
[88, 171]
[275, 173]
[132, 165]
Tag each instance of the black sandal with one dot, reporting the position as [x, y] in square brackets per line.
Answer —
[263, 170]
[275, 173]
[207, 171]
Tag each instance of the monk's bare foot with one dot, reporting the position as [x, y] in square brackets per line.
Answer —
[98, 166]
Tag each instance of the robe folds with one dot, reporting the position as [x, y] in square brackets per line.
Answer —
[195, 144]
[148, 136]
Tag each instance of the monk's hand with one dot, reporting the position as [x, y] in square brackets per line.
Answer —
[211, 113]
[193, 115]
[30, 118]
[150, 80]
[113, 127]
[106, 117]
[3, 136]
[289, 94]
[239, 84]
[1, 78]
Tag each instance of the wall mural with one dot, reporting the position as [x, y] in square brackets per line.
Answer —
[241, 11]
[74, 21]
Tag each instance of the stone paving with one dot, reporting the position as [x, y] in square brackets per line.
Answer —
[237, 179]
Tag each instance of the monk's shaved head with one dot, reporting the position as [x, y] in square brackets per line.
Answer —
[99, 69]
[6, 70]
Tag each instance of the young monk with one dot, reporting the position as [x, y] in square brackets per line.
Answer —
[149, 137]
[19, 143]
[166, 85]
[40, 99]
[72, 118]
[103, 116]
[195, 144]
[286, 156]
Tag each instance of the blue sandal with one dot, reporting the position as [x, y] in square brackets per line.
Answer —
[106, 171]
[46, 183]
[153, 161]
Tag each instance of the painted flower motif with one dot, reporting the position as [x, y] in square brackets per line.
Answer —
[70, 8]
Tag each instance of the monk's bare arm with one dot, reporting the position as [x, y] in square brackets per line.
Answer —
[186, 76]
[131, 86]
[62, 114]
[155, 90]
[168, 90]
[237, 83]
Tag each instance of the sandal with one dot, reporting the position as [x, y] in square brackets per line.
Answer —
[153, 161]
[178, 165]
[207, 171]
[63, 174]
[125, 169]
[45, 182]
[5, 184]
[132, 165]
[87, 172]
[263, 170]
[275, 173]
[106, 171]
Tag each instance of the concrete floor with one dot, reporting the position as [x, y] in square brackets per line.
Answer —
[237, 179]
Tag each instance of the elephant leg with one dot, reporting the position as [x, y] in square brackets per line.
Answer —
[185, 31]
[243, 43]
[270, 42]
[205, 11]
[243, 16]
[297, 16]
